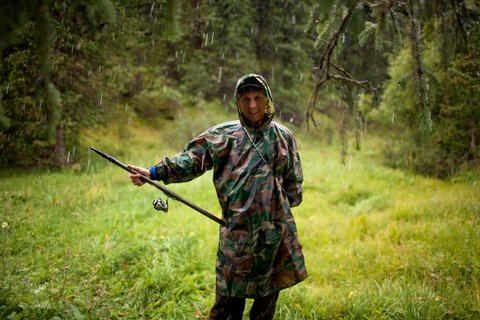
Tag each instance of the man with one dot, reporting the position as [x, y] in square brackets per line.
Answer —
[258, 177]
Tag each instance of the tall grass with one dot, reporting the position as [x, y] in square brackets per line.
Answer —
[379, 243]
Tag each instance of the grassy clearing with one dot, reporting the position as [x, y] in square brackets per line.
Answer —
[379, 243]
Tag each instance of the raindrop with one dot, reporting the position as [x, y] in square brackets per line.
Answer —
[176, 54]
[223, 55]
[183, 57]
[8, 87]
[393, 116]
[343, 37]
[350, 163]
[73, 151]
[224, 97]
[126, 106]
[318, 196]
[151, 9]
[41, 102]
[99, 68]
[71, 51]
[101, 99]
[23, 107]
[213, 34]
[206, 40]
[220, 74]
[294, 19]
[273, 74]
[251, 30]
[301, 77]
[68, 157]
[164, 89]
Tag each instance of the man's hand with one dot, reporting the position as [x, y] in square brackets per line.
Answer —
[135, 178]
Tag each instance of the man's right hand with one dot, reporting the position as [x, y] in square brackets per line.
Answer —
[135, 178]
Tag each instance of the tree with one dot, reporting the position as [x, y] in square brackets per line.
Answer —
[40, 66]
[393, 25]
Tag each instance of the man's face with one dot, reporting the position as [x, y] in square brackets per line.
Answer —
[252, 104]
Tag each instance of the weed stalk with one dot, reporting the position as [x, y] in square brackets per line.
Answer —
[4, 252]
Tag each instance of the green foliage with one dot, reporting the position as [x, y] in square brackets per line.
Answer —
[451, 147]
[423, 41]
[41, 72]
[367, 33]
[94, 58]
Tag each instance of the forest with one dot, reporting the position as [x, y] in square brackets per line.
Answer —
[383, 96]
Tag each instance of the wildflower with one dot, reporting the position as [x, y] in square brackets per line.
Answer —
[4, 225]
[350, 294]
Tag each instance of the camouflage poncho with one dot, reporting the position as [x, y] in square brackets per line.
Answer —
[259, 252]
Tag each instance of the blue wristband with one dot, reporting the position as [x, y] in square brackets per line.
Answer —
[153, 173]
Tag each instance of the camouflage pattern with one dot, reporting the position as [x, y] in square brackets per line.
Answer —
[259, 252]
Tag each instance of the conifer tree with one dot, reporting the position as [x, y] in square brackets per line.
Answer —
[32, 111]
[392, 25]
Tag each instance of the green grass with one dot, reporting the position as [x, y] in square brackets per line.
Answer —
[379, 243]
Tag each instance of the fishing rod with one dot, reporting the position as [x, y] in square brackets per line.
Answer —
[158, 204]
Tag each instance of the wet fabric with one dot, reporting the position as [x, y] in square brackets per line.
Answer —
[258, 177]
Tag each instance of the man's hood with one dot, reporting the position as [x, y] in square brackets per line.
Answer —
[256, 81]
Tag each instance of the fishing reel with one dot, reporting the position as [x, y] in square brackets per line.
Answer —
[159, 205]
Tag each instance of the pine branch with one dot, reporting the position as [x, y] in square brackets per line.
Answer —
[464, 31]
[419, 75]
[327, 70]
[322, 73]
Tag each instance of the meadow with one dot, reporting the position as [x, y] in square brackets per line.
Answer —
[380, 243]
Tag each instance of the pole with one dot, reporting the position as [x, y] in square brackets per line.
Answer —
[166, 191]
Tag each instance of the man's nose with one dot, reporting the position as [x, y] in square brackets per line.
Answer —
[252, 104]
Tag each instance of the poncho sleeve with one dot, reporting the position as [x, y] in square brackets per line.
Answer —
[293, 176]
[187, 165]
